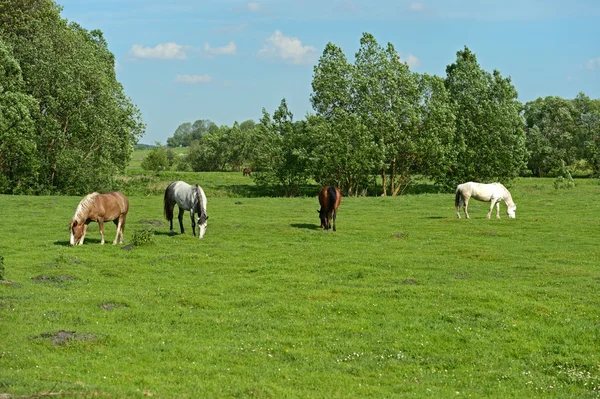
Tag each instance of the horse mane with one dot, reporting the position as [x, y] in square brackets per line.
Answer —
[84, 206]
[201, 214]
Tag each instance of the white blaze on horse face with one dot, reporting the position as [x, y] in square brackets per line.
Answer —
[72, 241]
[201, 230]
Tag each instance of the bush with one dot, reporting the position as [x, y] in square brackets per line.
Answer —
[144, 236]
[157, 160]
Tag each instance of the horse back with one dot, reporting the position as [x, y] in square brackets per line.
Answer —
[115, 204]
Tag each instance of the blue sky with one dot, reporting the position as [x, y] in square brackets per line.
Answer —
[183, 60]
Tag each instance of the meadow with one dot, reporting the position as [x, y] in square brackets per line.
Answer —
[404, 300]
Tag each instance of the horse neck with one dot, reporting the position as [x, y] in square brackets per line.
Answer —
[83, 209]
[508, 198]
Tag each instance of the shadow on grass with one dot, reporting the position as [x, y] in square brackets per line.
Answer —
[308, 226]
[67, 243]
[167, 233]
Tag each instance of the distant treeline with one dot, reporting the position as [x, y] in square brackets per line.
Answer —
[66, 125]
[377, 119]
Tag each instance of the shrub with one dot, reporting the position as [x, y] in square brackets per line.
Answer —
[143, 236]
[156, 160]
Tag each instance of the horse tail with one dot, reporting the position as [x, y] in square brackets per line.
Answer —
[168, 202]
[332, 193]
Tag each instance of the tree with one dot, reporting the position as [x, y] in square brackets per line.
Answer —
[85, 126]
[551, 126]
[182, 136]
[156, 160]
[18, 162]
[282, 157]
[588, 122]
[490, 141]
[404, 122]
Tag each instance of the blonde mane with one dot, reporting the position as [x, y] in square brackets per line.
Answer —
[82, 209]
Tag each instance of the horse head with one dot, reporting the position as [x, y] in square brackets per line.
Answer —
[510, 211]
[323, 216]
[76, 230]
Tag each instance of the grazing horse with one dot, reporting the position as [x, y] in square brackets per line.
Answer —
[493, 193]
[187, 198]
[330, 199]
[247, 172]
[99, 208]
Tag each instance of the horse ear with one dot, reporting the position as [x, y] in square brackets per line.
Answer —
[73, 224]
[318, 211]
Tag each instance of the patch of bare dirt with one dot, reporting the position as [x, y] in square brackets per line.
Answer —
[111, 305]
[52, 279]
[62, 337]
[152, 222]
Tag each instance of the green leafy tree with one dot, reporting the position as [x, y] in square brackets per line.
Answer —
[588, 122]
[182, 136]
[490, 140]
[551, 127]
[281, 156]
[85, 126]
[18, 161]
[157, 159]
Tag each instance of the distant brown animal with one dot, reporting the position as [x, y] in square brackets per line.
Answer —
[330, 199]
[247, 172]
[99, 208]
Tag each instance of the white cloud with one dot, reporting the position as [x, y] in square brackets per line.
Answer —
[416, 6]
[290, 49]
[229, 49]
[253, 6]
[193, 79]
[413, 61]
[594, 63]
[164, 51]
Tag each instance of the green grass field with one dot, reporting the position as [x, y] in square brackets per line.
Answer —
[404, 300]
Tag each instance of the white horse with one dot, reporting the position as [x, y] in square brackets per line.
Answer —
[187, 198]
[493, 193]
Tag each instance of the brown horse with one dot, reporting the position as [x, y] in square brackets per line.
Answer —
[99, 208]
[330, 199]
[247, 172]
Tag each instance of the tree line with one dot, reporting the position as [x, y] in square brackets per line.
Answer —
[378, 123]
[66, 125]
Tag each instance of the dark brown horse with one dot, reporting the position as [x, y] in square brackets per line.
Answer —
[99, 208]
[247, 172]
[330, 199]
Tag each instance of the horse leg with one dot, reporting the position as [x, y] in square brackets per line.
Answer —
[85, 227]
[101, 226]
[123, 227]
[171, 220]
[180, 217]
[466, 207]
[460, 204]
[193, 224]
[334, 217]
[492, 203]
[119, 223]
[498, 210]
